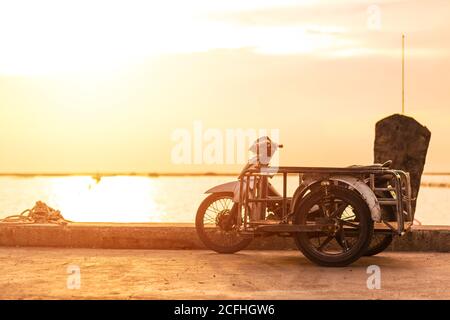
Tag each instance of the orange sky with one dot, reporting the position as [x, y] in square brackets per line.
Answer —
[102, 85]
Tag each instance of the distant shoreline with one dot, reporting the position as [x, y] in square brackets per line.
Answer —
[116, 174]
[149, 174]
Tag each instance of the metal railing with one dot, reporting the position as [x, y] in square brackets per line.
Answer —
[254, 196]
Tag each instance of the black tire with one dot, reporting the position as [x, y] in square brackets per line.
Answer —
[222, 236]
[381, 241]
[362, 229]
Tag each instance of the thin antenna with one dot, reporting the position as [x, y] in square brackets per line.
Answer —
[403, 74]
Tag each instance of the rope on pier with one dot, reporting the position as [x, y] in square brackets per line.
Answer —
[40, 213]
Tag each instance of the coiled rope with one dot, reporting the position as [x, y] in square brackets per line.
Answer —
[40, 213]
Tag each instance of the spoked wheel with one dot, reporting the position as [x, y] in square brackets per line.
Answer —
[347, 230]
[216, 224]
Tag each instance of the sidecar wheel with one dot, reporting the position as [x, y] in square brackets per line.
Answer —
[216, 224]
[381, 242]
[347, 240]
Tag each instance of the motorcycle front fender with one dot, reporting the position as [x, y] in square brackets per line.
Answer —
[233, 187]
[225, 187]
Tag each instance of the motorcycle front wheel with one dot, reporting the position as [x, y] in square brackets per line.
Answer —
[216, 224]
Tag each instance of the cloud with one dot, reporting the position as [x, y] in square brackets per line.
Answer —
[346, 28]
[56, 36]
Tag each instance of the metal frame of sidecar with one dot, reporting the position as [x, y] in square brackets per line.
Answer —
[402, 196]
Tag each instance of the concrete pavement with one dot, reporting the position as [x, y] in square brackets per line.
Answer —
[44, 273]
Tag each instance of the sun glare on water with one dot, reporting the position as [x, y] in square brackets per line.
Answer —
[118, 199]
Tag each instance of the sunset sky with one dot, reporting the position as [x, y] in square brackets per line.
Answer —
[89, 86]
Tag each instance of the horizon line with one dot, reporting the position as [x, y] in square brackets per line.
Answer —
[112, 174]
[144, 174]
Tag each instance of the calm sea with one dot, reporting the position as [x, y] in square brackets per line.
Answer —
[157, 199]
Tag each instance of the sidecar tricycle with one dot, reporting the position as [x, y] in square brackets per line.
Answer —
[335, 215]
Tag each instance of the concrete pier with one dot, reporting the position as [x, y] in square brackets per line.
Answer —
[176, 236]
[45, 273]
